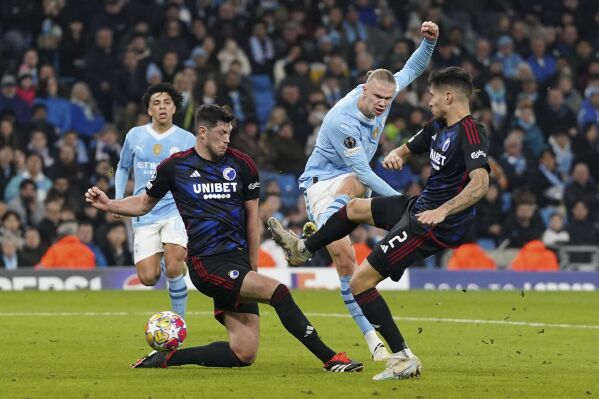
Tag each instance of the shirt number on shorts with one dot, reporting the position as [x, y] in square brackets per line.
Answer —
[399, 238]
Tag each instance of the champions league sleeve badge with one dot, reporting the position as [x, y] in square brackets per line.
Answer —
[229, 174]
[349, 142]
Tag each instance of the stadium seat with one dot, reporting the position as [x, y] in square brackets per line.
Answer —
[579, 257]
[263, 97]
[288, 184]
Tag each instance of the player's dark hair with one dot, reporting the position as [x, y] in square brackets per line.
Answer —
[210, 115]
[167, 88]
[454, 77]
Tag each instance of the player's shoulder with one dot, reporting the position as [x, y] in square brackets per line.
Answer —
[242, 158]
[136, 131]
[472, 129]
[182, 132]
[177, 156]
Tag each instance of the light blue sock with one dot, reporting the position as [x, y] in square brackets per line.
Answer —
[339, 202]
[352, 307]
[177, 289]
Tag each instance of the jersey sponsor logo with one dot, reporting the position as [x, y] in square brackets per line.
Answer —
[414, 136]
[195, 174]
[253, 186]
[437, 160]
[401, 237]
[349, 142]
[150, 182]
[157, 149]
[352, 151]
[233, 274]
[146, 165]
[478, 154]
[173, 150]
[446, 144]
[229, 174]
[209, 188]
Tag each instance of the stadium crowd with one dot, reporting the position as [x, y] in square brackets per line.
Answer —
[73, 72]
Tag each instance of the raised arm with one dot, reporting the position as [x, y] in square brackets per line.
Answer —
[420, 59]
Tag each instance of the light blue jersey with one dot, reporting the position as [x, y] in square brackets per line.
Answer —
[348, 140]
[143, 150]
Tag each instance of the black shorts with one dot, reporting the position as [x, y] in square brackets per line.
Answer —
[407, 242]
[220, 278]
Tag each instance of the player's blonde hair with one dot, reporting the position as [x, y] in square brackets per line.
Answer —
[382, 75]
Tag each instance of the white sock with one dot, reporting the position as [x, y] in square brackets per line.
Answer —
[404, 353]
[372, 340]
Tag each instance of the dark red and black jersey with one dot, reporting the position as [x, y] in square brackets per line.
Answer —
[210, 197]
[454, 151]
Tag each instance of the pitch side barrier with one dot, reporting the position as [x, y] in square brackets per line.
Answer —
[125, 278]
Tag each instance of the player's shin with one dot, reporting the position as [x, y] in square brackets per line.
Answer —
[215, 354]
[335, 228]
[374, 342]
[376, 310]
[177, 289]
[294, 321]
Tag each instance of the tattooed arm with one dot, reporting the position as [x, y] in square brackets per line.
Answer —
[472, 193]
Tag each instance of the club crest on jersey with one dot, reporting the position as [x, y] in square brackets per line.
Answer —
[349, 142]
[157, 149]
[233, 274]
[375, 133]
[229, 174]
[446, 144]
[173, 150]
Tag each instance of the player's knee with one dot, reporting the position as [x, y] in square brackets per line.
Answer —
[174, 269]
[353, 209]
[246, 355]
[148, 277]
[357, 285]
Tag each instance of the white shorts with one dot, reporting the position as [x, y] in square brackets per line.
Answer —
[320, 195]
[149, 239]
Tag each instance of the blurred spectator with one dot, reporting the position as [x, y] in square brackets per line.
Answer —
[129, 80]
[58, 108]
[543, 65]
[11, 103]
[9, 258]
[586, 150]
[68, 196]
[32, 250]
[572, 97]
[589, 111]
[495, 95]
[116, 247]
[172, 39]
[382, 36]
[262, 50]
[39, 144]
[33, 171]
[523, 224]
[85, 232]
[546, 181]
[555, 234]
[107, 146]
[26, 90]
[99, 72]
[232, 52]
[7, 167]
[68, 251]
[507, 57]
[85, 115]
[489, 215]
[581, 188]
[525, 119]
[259, 148]
[11, 224]
[47, 227]
[513, 161]
[581, 228]
[290, 156]
[237, 97]
[553, 114]
[72, 50]
[66, 165]
[26, 204]
[8, 133]
[561, 145]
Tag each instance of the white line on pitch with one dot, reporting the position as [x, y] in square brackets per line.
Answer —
[311, 314]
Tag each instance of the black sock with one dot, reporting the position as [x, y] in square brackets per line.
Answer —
[297, 324]
[335, 228]
[216, 354]
[377, 312]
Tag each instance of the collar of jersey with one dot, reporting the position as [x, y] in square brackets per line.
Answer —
[157, 135]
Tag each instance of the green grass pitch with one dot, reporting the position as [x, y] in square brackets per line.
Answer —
[472, 345]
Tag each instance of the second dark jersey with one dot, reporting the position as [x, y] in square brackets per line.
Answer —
[454, 151]
[210, 197]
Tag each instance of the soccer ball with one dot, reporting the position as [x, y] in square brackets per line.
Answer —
[166, 331]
